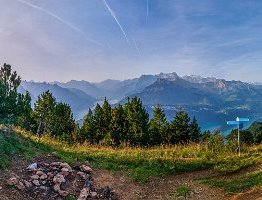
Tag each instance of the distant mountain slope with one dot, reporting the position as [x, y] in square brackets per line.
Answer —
[77, 99]
[112, 89]
[87, 87]
[211, 100]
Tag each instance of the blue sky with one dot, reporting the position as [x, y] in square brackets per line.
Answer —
[94, 40]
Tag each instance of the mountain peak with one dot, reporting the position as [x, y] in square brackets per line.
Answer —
[168, 76]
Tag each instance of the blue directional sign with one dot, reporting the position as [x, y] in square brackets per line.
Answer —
[233, 122]
[239, 121]
[242, 119]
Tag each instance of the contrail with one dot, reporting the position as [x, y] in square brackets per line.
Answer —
[146, 10]
[115, 18]
[60, 20]
[137, 49]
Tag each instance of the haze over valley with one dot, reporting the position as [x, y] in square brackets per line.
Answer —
[212, 101]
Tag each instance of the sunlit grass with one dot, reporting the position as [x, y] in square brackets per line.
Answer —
[143, 163]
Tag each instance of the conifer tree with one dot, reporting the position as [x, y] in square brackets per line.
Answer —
[138, 122]
[88, 129]
[157, 126]
[9, 82]
[99, 124]
[62, 122]
[106, 115]
[180, 127]
[43, 111]
[118, 125]
[195, 132]
[24, 111]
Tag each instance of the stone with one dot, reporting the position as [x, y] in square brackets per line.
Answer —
[64, 173]
[106, 192]
[1, 187]
[83, 194]
[44, 188]
[59, 178]
[32, 167]
[88, 184]
[56, 187]
[28, 184]
[93, 194]
[77, 167]
[43, 177]
[86, 168]
[36, 182]
[63, 193]
[39, 173]
[66, 165]
[83, 175]
[50, 175]
[34, 177]
[12, 181]
[20, 186]
[64, 169]
[55, 164]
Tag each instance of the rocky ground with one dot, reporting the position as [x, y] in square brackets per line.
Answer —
[56, 180]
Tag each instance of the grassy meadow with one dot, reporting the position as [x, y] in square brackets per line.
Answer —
[139, 163]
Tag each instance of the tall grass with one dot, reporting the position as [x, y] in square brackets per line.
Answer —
[142, 163]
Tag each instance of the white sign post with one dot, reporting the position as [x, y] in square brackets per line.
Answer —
[239, 122]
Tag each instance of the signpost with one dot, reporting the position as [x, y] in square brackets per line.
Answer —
[239, 122]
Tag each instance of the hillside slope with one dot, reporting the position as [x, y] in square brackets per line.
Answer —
[196, 173]
[77, 99]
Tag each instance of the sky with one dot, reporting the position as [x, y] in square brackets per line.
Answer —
[94, 40]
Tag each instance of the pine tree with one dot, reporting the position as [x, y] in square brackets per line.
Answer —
[138, 122]
[99, 124]
[195, 132]
[62, 122]
[106, 115]
[118, 125]
[88, 129]
[9, 82]
[157, 125]
[24, 111]
[43, 111]
[180, 127]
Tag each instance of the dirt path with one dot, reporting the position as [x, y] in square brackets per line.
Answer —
[125, 188]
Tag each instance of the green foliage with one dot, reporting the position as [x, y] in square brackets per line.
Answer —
[182, 190]
[9, 82]
[157, 126]
[246, 137]
[118, 126]
[43, 112]
[205, 136]
[180, 127]
[195, 131]
[256, 130]
[239, 184]
[215, 143]
[129, 125]
[11, 145]
[24, 112]
[54, 118]
[138, 122]
[99, 124]
[62, 121]
[87, 131]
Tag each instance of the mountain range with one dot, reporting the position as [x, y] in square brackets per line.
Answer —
[211, 100]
